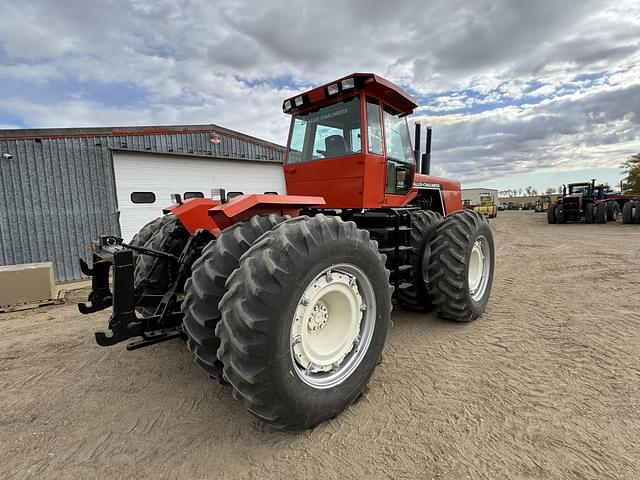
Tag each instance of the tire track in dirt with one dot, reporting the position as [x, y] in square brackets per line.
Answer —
[545, 385]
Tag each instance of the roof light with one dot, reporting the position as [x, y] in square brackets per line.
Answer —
[298, 101]
[287, 105]
[348, 83]
[332, 89]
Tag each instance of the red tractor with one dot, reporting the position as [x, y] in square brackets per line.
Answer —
[582, 201]
[287, 298]
[591, 203]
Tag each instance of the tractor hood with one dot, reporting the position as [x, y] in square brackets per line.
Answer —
[423, 181]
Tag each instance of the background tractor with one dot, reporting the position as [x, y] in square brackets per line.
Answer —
[582, 201]
[287, 298]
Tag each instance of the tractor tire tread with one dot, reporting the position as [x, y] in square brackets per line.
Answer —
[448, 285]
[551, 214]
[601, 212]
[256, 291]
[154, 275]
[206, 286]
[627, 213]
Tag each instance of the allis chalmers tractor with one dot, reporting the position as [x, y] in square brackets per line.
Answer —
[287, 298]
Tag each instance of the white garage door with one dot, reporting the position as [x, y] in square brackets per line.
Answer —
[145, 182]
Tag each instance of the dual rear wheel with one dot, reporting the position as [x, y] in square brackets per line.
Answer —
[294, 313]
[631, 212]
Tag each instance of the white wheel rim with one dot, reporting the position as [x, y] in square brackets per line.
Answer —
[332, 326]
[479, 270]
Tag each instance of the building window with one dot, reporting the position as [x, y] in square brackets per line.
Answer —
[188, 195]
[143, 197]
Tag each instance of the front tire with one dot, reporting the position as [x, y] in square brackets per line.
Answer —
[589, 212]
[552, 214]
[601, 212]
[206, 287]
[304, 321]
[561, 218]
[461, 266]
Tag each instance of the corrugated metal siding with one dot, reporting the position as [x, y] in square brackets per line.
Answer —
[58, 194]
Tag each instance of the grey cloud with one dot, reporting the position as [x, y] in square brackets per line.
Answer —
[198, 60]
[558, 133]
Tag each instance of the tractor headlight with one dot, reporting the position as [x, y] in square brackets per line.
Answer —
[287, 105]
[299, 101]
[348, 83]
[332, 89]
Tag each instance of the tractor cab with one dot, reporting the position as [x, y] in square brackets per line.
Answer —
[580, 189]
[349, 143]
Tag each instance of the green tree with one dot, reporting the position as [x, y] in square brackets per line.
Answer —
[631, 183]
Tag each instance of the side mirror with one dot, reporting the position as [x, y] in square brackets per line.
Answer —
[176, 198]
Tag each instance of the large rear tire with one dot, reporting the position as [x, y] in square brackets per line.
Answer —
[627, 213]
[146, 232]
[552, 213]
[206, 287]
[461, 266]
[423, 227]
[152, 275]
[304, 321]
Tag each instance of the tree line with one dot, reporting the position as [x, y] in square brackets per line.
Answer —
[631, 167]
[528, 191]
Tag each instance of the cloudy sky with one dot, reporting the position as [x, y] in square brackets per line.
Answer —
[518, 92]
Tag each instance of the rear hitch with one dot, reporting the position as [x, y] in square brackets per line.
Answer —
[100, 296]
[110, 254]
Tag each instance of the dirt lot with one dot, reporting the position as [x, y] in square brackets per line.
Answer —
[545, 385]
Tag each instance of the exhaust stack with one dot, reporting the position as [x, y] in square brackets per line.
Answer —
[426, 156]
[416, 147]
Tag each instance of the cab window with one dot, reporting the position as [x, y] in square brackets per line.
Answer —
[327, 132]
[374, 128]
[399, 152]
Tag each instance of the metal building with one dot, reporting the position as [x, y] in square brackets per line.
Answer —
[58, 188]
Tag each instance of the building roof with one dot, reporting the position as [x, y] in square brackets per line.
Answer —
[18, 134]
[208, 140]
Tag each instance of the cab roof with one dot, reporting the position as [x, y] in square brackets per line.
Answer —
[389, 92]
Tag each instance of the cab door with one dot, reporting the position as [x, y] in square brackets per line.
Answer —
[399, 153]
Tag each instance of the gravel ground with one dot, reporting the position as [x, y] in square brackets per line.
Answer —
[544, 385]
